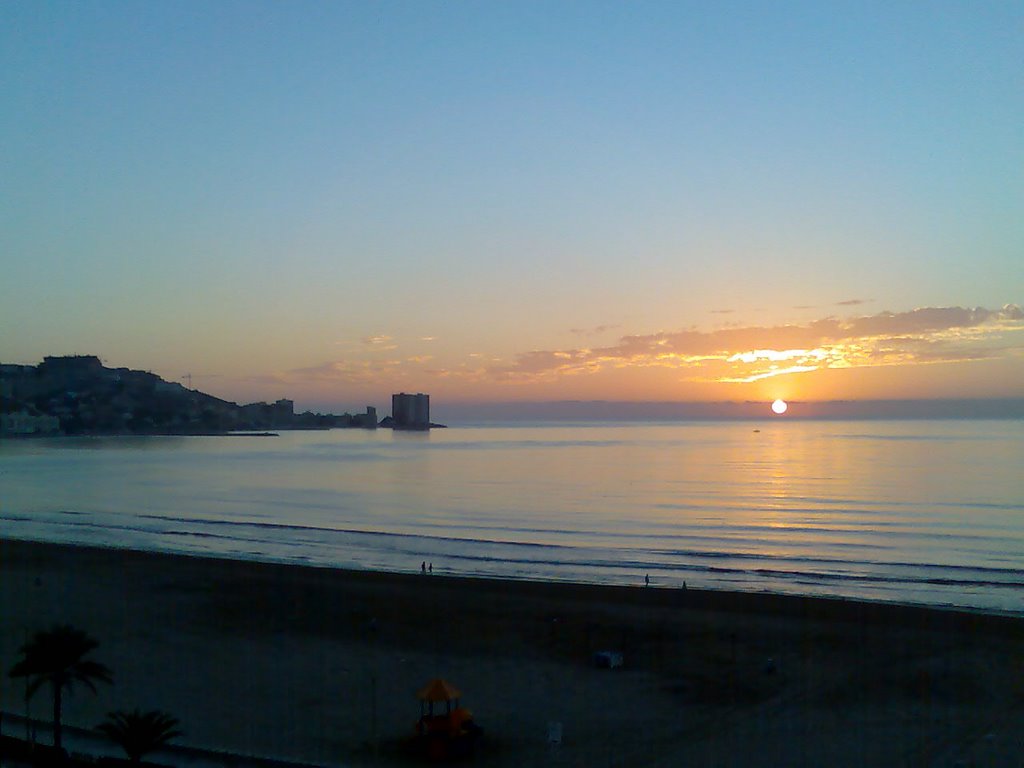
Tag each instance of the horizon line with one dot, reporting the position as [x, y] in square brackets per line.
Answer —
[608, 410]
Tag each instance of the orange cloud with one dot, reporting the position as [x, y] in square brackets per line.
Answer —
[706, 361]
[747, 354]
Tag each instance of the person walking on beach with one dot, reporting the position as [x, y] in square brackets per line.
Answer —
[423, 567]
[647, 580]
[431, 567]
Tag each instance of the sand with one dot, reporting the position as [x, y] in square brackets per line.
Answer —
[322, 666]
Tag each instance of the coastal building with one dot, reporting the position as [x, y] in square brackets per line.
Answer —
[24, 423]
[70, 365]
[366, 420]
[410, 411]
[70, 372]
[277, 415]
[13, 377]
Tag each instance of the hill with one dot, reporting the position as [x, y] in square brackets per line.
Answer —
[78, 395]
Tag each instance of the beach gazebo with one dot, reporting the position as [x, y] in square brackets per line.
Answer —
[436, 691]
[444, 734]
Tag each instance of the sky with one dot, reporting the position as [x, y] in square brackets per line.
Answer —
[528, 201]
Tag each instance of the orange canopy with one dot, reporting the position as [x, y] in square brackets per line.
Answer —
[438, 690]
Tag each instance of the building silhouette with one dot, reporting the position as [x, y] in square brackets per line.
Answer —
[366, 420]
[410, 411]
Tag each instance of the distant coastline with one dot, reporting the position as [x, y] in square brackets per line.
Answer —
[78, 395]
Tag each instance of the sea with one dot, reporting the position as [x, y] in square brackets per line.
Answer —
[917, 512]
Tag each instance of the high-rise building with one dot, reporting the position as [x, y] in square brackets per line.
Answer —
[410, 411]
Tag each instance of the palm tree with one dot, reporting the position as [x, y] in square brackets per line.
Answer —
[139, 733]
[57, 656]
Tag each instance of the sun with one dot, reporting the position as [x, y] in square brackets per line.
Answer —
[780, 407]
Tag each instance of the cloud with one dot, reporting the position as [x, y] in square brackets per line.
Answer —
[852, 302]
[731, 355]
[343, 370]
[722, 311]
[595, 331]
[750, 353]
[381, 343]
[774, 371]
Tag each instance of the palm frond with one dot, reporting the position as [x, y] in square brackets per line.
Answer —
[138, 732]
[86, 671]
[34, 685]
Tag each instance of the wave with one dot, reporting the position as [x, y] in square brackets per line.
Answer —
[812, 576]
[659, 532]
[571, 556]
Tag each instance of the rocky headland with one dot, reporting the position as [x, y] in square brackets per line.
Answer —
[78, 395]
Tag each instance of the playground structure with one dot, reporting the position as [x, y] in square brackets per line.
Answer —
[441, 736]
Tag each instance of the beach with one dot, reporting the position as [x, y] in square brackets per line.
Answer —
[322, 665]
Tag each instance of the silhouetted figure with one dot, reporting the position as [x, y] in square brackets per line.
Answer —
[431, 567]
[647, 580]
[423, 567]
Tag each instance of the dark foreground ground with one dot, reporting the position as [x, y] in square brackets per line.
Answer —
[322, 666]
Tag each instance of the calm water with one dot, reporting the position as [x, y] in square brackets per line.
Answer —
[929, 512]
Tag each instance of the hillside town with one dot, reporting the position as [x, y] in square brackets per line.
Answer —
[78, 395]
